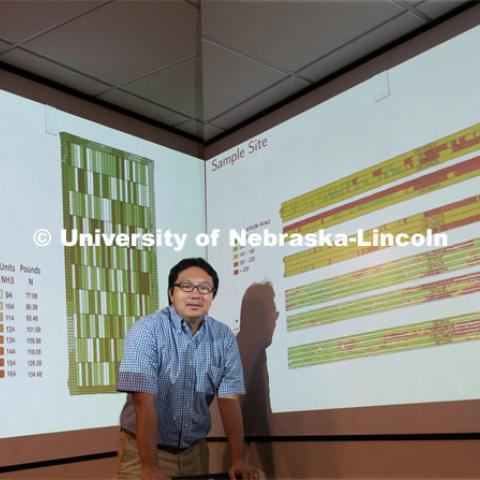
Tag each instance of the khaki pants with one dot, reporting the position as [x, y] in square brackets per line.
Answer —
[193, 461]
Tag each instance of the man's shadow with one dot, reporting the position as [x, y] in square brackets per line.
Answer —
[258, 317]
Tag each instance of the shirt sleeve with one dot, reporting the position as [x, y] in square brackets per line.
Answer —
[232, 380]
[139, 366]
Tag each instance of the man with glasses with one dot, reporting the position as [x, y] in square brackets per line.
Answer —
[174, 363]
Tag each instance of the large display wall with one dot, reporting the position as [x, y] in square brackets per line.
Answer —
[64, 310]
[354, 327]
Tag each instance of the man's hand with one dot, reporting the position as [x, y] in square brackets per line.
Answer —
[232, 423]
[154, 474]
[243, 470]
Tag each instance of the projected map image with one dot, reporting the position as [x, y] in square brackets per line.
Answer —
[440, 219]
[65, 310]
[108, 287]
[364, 324]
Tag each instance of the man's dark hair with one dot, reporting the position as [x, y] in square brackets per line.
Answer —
[188, 263]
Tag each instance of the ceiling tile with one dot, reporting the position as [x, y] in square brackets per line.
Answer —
[363, 46]
[198, 129]
[4, 46]
[195, 3]
[436, 8]
[178, 87]
[229, 79]
[124, 40]
[210, 132]
[22, 20]
[266, 99]
[142, 107]
[52, 71]
[291, 34]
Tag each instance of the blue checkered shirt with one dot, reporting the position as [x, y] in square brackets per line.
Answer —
[185, 372]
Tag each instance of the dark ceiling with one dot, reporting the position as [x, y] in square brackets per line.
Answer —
[201, 68]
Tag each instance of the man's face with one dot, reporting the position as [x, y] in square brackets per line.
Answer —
[192, 306]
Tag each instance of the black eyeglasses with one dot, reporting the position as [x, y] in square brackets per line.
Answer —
[203, 288]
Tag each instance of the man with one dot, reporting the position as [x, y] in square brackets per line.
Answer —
[174, 362]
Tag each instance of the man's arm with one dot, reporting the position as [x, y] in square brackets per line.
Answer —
[231, 414]
[146, 434]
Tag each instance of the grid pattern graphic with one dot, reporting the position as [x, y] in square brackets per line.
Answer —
[462, 328]
[384, 302]
[416, 160]
[105, 190]
[422, 265]
[441, 219]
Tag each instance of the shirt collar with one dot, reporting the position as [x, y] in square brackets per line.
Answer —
[177, 320]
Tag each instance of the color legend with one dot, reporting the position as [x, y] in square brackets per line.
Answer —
[243, 257]
[236, 270]
[21, 325]
[2, 350]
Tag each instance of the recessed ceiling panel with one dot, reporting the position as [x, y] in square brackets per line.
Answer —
[32, 63]
[20, 20]
[266, 99]
[124, 40]
[230, 79]
[292, 34]
[198, 129]
[366, 44]
[4, 46]
[175, 87]
[142, 107]
[436, 8]
[210, 132]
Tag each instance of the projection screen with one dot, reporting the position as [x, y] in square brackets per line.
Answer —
[339, 333]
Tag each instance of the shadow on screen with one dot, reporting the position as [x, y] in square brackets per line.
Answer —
[258, 317]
